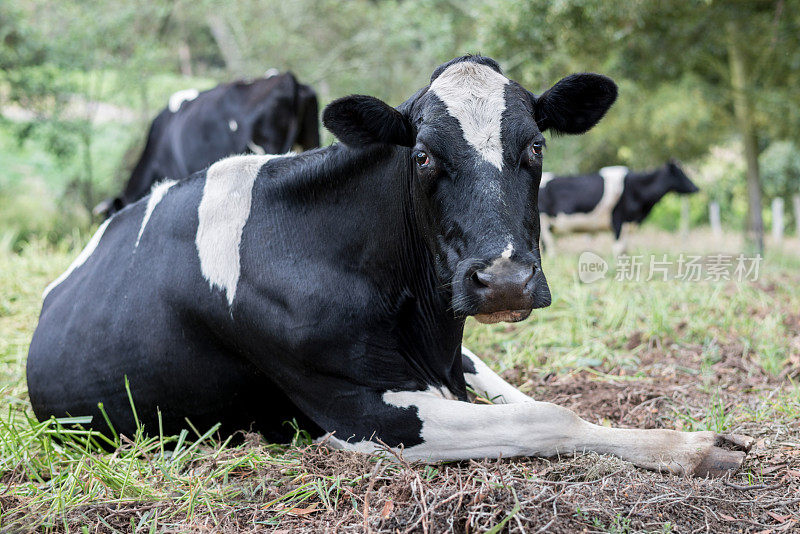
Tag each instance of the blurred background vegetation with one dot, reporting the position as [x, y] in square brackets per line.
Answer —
[713, 84]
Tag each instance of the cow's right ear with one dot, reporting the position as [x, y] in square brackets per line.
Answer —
[359, 120]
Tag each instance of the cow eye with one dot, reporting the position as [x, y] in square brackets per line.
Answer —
[537, 149]
[421, 159]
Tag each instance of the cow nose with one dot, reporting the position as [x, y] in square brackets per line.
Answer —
[503, 287]
[504, 281]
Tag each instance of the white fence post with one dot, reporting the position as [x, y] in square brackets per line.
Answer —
[796, 202]
[777, 219]
[684, 216]
[713, 217]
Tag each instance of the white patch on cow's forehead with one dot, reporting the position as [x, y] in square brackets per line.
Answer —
[222, 214]
[156, 194]
[508, 251]
[179, 97]
[474, 94]
[80, 260]
[233, 125]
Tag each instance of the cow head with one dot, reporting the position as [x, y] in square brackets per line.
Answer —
[677, 179]
[474, 148]
[285, 115]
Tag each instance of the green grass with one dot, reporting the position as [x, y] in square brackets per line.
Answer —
[589, 325]
[169, 482]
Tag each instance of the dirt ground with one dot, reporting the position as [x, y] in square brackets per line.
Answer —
[589, 493]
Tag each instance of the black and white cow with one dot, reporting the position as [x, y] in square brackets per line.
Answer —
[332, 287]
[264, 116]
[609, 199]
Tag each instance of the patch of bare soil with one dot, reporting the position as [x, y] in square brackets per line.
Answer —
[589, 493]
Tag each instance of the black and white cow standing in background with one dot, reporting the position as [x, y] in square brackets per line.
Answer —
[610, 199]
[264, 116]
[332, 287]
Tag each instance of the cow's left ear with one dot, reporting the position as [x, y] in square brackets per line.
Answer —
[359, 120]
[575, 104]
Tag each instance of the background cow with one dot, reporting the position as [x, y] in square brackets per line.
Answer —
[266, 116]
[333, 286]
[605, 200]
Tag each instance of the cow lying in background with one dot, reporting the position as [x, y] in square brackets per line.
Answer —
[606, 200]
[331, 287]
[265, 116]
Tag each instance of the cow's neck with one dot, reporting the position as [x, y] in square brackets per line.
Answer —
[648, 188]
[374, 185]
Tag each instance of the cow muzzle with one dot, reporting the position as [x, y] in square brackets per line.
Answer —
[505, 290]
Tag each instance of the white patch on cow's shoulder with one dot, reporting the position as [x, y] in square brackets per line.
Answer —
[546, 177]
[600, 216]
[222, 214]
[179, 97]
[474, 94]
[81, 259]
[233, 125]
[156, 194]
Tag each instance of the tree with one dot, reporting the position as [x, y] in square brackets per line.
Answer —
[780, 166]
[743, 55]
[60, 73]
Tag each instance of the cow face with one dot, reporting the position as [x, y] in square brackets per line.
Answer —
[285, 116]
[678, 181]
[274, 119]
[474, 150]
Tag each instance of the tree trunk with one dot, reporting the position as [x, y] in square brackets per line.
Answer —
[226, 42]
[185, 57]
[743, 112]
[796, 206]
[87, 181]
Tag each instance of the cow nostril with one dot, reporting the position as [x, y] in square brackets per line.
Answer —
[479, 279]
[531, 272]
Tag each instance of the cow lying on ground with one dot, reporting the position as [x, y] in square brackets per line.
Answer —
[264, 116]
[607, 200]
[332, 287]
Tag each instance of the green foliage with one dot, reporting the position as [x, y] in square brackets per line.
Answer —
[780, 167]
[58, 60]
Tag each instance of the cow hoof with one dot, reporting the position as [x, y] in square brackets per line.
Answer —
[726, 455]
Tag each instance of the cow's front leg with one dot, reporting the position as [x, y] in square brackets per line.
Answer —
[486, 382]
[455, 430]
[620, 245]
